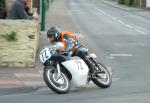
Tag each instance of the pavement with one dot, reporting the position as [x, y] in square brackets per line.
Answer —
[23, 80]
[20, 80]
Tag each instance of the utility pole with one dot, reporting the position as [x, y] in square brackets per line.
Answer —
[43, 15]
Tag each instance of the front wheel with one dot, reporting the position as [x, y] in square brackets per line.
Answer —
[102, 77]
[58, 83]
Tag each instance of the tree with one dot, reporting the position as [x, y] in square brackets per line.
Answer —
[121, 1]
[2, 5]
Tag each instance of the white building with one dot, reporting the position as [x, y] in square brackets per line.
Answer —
[147, 3]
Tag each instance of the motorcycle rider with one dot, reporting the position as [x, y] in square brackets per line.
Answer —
[54, 34]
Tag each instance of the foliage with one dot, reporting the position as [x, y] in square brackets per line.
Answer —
[2, 5]
[135, 3]
[128, 2]
[121, 1]
[10, 37]
[139, 3]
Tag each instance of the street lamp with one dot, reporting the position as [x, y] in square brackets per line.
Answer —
[43, 15]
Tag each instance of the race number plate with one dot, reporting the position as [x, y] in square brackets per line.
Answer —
[45, 55]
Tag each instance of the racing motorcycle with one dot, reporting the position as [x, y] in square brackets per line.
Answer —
[61, 71]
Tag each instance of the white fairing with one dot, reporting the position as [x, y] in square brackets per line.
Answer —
[45, 55]
[57, 45]
[79, 71]
[93, 55]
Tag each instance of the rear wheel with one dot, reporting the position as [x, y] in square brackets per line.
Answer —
[102, 77]
[58, 83]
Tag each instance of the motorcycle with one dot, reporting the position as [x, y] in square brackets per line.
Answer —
[62, 71]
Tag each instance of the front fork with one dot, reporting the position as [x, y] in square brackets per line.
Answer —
[58, 69]
[90, 64]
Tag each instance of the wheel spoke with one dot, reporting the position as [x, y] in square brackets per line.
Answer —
[102, 78]
[59, 82]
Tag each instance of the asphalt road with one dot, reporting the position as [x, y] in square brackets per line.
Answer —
[121, 40]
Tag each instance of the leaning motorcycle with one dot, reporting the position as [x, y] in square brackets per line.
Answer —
[61, 71]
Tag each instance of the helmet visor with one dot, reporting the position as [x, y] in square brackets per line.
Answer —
[52, 34]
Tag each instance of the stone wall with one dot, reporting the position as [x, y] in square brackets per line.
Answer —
[22, 52]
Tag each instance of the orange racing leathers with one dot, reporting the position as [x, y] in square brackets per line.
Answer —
[69, 41]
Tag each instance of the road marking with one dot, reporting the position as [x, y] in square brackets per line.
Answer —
[98, 3]
[76, 10]
[109, 57]
[129, 26]
[115, 79]
[14, 95]
[128, 44]
[139, 27]
[121, 55]
[104, 13]
[142, 28]
[103, 5]
[34, 83]
[121, 22]
[114, 18]
[9, 82]
[24, 75]
[141, 32]
[108, 15]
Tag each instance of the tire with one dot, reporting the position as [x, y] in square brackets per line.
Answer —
[103, 80]
[50, 79]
